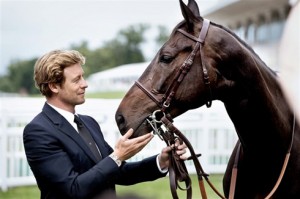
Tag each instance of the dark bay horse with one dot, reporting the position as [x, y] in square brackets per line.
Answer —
[201, 62]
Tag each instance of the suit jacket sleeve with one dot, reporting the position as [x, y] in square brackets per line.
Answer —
[60, 164]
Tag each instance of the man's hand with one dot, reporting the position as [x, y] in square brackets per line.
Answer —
[125, 148]
[164, 156]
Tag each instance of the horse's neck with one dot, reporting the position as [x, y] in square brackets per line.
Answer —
[261, 110]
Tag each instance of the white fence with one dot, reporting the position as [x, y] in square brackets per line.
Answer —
[209, 130]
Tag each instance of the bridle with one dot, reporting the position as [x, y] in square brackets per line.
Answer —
[177, 169]
[164, 103]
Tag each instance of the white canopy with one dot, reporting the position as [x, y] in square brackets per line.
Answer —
[116, 79]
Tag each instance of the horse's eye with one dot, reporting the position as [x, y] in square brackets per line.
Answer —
[166, 59]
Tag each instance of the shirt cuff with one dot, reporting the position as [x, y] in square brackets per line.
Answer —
[158, 166]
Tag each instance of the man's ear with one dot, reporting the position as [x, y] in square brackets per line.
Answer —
[53, 87]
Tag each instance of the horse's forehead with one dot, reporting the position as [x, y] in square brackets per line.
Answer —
[176, 42]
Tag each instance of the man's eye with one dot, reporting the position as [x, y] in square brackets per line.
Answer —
[76, 80]
[166, 59]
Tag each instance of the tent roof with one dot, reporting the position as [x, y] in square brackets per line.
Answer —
[126, 70]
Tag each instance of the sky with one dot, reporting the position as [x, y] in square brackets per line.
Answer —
[30, 28]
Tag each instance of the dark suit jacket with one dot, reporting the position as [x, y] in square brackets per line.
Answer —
[63, 165]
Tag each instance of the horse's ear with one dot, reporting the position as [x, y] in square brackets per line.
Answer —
[192, 4]
[190, 12]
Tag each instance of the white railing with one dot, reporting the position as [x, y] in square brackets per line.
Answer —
[209, 130]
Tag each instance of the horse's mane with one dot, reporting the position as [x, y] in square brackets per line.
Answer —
[235, 36]
[244, 44]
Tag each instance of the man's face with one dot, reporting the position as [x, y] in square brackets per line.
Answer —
[71, 92]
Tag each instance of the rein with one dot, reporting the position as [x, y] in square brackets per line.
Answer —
[177, 169]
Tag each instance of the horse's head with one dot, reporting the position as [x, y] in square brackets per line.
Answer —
[182, 76]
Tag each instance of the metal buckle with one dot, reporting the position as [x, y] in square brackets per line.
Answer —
[156, 124]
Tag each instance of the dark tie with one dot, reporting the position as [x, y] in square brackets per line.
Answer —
[86, 136]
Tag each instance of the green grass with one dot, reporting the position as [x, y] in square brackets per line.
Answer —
[26, 192]
[159, 189]
[106, 95]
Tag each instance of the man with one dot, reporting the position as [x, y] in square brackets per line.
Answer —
[67, 152]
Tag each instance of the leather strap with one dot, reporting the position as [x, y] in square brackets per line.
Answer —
[177, 169]
[169, 135]
[234, 173]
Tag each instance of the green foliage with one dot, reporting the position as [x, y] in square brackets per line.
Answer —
[19, 78]
[124, 49]
[162, 36]
[6, 85]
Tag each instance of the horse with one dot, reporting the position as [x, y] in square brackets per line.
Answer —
[203, 61]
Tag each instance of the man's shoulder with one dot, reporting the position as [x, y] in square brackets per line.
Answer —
[87, 118]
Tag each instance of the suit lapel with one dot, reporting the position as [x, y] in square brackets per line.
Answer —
[65, 127]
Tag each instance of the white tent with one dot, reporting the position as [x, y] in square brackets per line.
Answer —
[120, 78]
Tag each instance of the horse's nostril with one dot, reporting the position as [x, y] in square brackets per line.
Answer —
[120, 119]
[121, 123]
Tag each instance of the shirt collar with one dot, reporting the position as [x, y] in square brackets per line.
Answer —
[66, 114]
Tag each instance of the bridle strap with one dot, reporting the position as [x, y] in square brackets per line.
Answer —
[283, 169]
[200, 172]
[200, 40]
[234, 173]
[149, 94]
[164, 103]
[176, 168]
[286, 160]
[181, 73]
[185, 67]
[202, 34]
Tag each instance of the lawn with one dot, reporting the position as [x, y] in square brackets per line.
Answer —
[106, 95]
[158, 189]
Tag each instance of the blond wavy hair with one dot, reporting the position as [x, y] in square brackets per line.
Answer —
[50, 68]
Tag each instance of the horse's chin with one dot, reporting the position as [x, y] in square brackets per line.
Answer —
[142, 129]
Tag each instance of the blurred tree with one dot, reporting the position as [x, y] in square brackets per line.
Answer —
[6, 85]
[124, 49]
[163, 35]
[19, 78]
[83, 48]
[132, 38]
